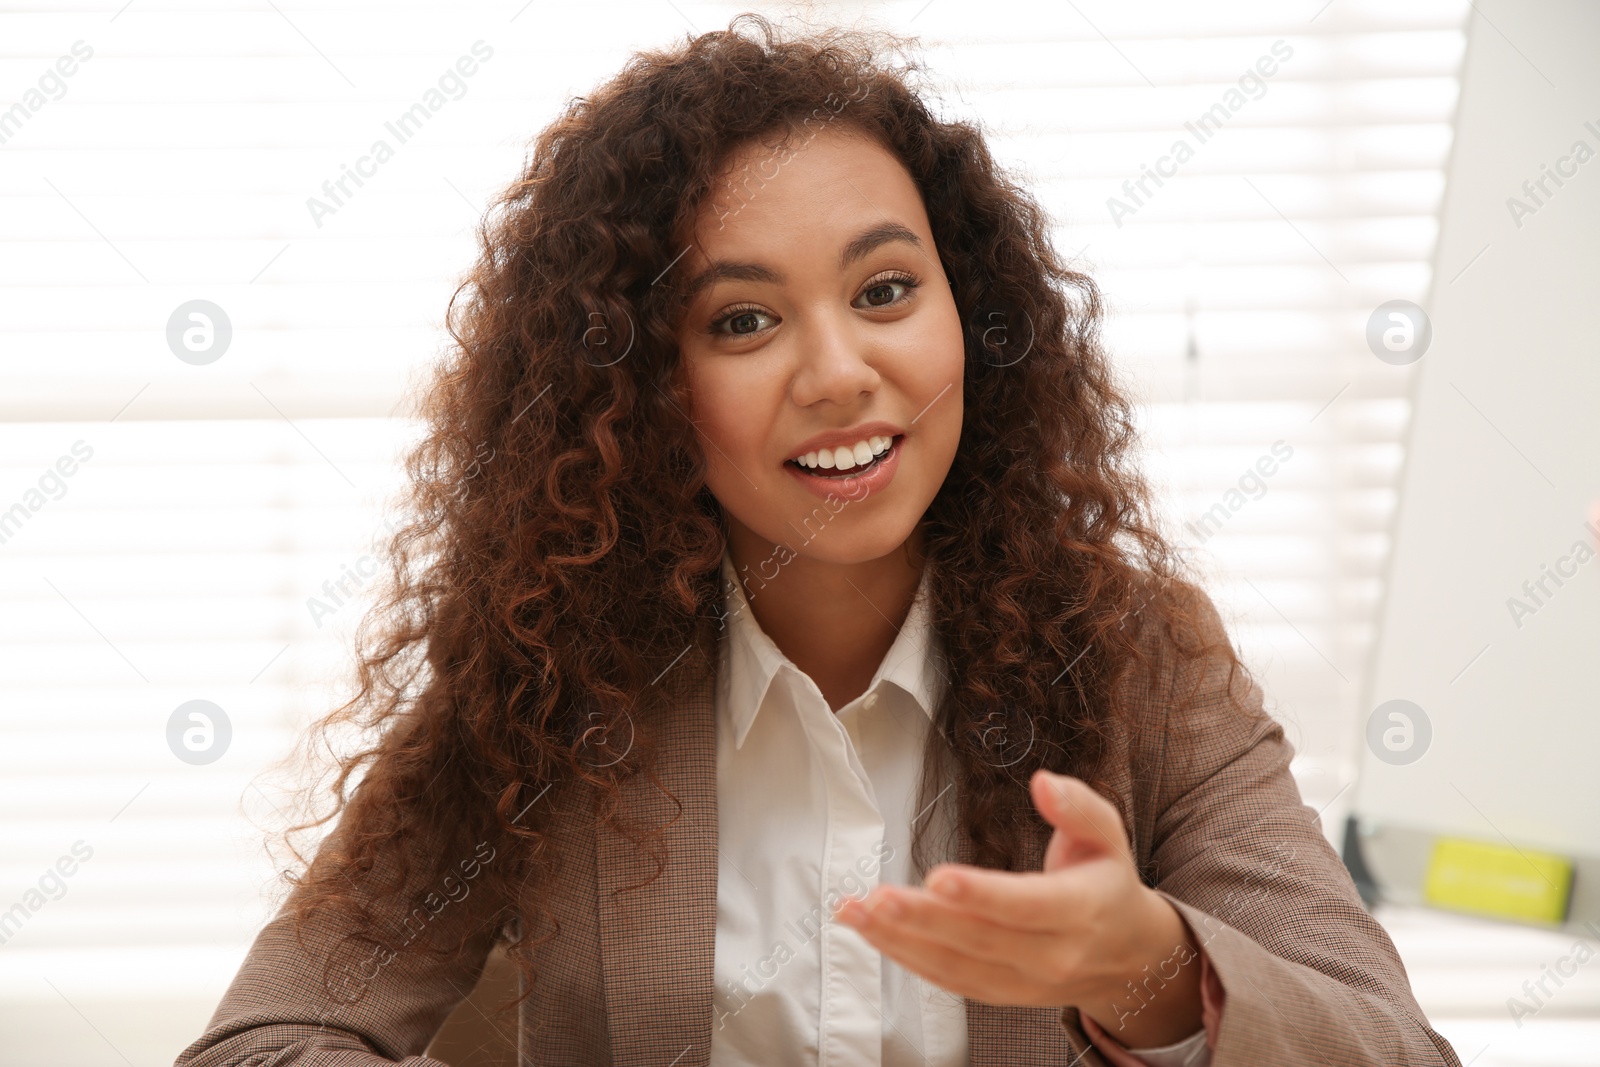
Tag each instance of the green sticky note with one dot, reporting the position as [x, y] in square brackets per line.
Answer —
[1498, 881]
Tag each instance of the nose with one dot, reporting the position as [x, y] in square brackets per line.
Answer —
[835, 361]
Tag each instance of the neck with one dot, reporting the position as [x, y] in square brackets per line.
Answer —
[834, 621]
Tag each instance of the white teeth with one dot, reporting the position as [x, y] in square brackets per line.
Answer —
[842, 458]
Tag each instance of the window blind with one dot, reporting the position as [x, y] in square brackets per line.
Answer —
[189, 156]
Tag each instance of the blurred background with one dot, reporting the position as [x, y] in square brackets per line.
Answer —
[1348, 249]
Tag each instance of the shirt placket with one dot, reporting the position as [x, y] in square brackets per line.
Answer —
[851, 1026]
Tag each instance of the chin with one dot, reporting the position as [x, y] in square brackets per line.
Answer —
[861, 543]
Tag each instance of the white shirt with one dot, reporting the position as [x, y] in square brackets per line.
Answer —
[812, 806]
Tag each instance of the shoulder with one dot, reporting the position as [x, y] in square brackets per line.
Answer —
[1179, 641]
[1187, 702]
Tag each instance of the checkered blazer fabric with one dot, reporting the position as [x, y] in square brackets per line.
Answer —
[1199, 770]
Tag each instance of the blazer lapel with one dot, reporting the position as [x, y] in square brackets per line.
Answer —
[658, 943]
[1002, 1035]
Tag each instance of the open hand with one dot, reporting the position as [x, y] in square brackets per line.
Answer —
[1075, 933]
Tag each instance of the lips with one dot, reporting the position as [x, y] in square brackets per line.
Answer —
[857, 483]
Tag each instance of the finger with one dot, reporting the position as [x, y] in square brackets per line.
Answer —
[1087, 822]
[951, 969]
[1037, 901]
[920, 913]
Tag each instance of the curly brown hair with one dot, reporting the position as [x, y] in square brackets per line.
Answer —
[562, 550]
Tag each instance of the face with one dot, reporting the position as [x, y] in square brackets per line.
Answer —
[821, 326]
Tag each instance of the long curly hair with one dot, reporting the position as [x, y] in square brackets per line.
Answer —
[561, 550]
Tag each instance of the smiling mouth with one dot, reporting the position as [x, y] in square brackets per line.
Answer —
[834, 475]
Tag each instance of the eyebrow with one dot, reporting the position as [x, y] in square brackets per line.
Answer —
[859, 246]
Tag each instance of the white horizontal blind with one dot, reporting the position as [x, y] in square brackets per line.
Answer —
[1247, 184]
[179, 560]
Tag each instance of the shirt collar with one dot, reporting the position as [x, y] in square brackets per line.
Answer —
[751, 660]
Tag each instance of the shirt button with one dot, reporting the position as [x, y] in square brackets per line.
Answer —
[871, 701]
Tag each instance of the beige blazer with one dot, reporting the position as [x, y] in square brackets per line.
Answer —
[1216, 823]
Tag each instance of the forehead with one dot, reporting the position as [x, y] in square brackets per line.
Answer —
[821, 180]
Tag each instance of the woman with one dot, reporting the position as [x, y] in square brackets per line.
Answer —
[783, 664]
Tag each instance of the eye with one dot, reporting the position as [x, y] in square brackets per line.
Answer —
[880, 292]
[743, 318]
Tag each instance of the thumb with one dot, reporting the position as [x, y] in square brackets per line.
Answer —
[1086, 824]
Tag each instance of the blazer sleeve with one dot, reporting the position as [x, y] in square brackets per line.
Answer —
[331, 1002]
[1309, 976]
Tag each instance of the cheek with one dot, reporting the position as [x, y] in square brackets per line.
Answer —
[730, 414]
[937, 374]
[937, 339]
[947, 367]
